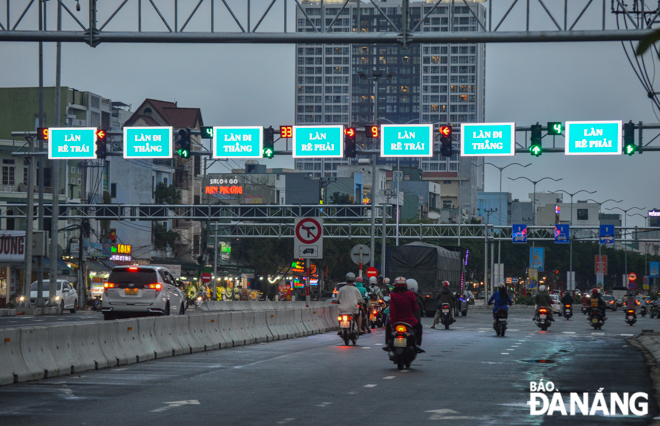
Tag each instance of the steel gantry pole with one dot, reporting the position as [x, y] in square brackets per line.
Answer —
[501, 169]
[600, 246]
[625, 226]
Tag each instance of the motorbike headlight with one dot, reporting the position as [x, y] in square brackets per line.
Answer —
[56, 298]
[22, 298]
[199, 298]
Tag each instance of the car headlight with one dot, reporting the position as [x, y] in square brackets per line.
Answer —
[199, 298]
[56, 298]
[22, 298]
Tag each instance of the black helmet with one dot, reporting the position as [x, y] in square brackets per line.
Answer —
[380, 278]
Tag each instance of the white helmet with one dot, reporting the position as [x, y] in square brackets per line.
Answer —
[412, 285]
[541, 288]
[386, 281]
[373, 280]
[501, 285]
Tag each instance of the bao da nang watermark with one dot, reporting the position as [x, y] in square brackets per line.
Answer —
[546, 399]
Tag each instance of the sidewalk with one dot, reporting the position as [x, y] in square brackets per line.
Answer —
[648, 341]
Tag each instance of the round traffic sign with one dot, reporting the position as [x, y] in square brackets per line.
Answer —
[355, 254]
[308, 231]
[206, 277]
[372, 271]
[632, 286]
[632, 276]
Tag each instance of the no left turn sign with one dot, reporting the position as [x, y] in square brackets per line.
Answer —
[308, 242]
[308, 231]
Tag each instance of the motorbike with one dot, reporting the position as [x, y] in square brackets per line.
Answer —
[365, 315]
[643, 311]
[402, 346]
[596, 319]
[568, 311]
[463, 304]
[348, 328]
[376, 315]
[500, 321]
[542, 320]
[446, 319]
[653, 311]
[631, 317]
[96, 304]
[585, 308]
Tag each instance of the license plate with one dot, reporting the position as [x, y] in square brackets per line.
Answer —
[630, 318]
[344, 324]
[131, 291]
[595, 321]
[542, 317]
[502, 320]
[445, 311]
[400, 342]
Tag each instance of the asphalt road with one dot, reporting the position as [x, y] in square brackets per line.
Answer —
[467, 377]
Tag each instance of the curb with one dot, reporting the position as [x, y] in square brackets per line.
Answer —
[7, 312]
[648, 342]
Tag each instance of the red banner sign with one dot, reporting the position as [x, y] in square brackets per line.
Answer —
[601, 264]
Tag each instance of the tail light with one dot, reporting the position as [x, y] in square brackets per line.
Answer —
[155, 286]
[543, 311]
[344, 317]
[631, 311]
[567, 306]
[375, 312]
[380, 301]
[110, 285]
[133, 268]
[400, 328]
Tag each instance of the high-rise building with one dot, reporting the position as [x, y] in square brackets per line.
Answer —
[421, 83]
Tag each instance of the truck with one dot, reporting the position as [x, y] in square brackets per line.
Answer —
[429, 265]
[619, 294]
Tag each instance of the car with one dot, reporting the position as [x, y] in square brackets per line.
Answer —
[610, 302]
[336, 290]
[141, 290]
[481, 295]
[65, 295]
[556, 304]
[308, 251]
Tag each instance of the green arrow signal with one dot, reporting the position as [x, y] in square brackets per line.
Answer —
[184, 153]
[268, 153]
[535, 150]
[630, 149]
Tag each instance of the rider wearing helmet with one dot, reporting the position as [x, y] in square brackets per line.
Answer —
[414, 287]
[543, 299]
[373, 287]
[596, 302]
[403, 308]
[349, 297]
[443, 296]
[501, 300]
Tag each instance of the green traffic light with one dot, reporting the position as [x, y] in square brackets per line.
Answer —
[535, 150]
[184, 153]
[268, 153]
[630, 149]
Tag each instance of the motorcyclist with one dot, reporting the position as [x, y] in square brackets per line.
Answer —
[374, 288]
[566, 300]
[543, 299]
[631, 302]
[364, 304]
[443, 296]
[403, 308]
[414, 287]
[500, 299]
[585, 299]
[349, 297]
[599, 302]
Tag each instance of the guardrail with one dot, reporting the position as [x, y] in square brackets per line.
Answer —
[32, 353]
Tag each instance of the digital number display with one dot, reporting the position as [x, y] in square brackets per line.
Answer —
[286, 132]
[373, 132]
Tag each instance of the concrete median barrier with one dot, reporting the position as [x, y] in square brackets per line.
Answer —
[85, 341]
[274, 326]
[109, 344]
[184, 335]
[238, 326]
[199, 332]
[165, 331]
[214, 331]
[261, 327]
[224, 318]
[149, 339]
[36, 353]
[66, 354]
[129, 340]
[12, 366]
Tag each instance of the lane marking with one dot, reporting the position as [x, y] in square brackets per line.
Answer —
[324, 404]
[482, 331]
[504, 353]
[369, 386]
[597, 334]
[366, 347]
[378, 344]
[627, 335]
[120, 369]
[352, 393]
[405, 371]
[388, 377]
[287, 420]
[568, 332]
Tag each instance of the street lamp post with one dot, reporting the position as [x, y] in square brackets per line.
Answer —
[375, 77]
[534, 182]
[501, 169]
[625, 225]
[570, 240]
[488, 212]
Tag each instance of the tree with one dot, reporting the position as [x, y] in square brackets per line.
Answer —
[341, 198]
[163, 237]
[165, 194]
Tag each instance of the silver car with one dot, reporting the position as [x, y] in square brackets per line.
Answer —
[65, 295]
[135, 290]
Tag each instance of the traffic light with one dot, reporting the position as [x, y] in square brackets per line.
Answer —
[349, 142]
[535, 145]
[372, 132]
[445, 140]
[269, 142]
[184, 143]
[42, 133]
[207, 132]
[286, 132]
[629, 138]
[101, 149]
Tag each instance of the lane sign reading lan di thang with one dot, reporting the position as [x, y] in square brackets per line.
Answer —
[238, 142]
[488, 139]
[148, 142]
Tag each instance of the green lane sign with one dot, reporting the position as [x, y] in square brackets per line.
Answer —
[406, 140]
[593, 138]
[238, 142]
[488, 139]
[72, 143]
[148, 142]
[318, 141]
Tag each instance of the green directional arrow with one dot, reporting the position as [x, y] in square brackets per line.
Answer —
[535, 150]
[268, 153]
[630, 149]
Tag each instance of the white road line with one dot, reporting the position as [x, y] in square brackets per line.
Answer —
[378, 344]
[405, 371]
[369, 386]
[514, 329]
[388, 377]
[627, 335]
[568, 332]
[504, 353]
[481, 331]
[324, 404]
[285, 421]
[597, 334]
[366, 347]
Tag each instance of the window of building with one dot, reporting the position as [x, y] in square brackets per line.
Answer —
[583, 214]
[198, 165]
[7, 174]
[446, 204]
[113, 190]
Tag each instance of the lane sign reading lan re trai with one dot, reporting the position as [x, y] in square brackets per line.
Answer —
[72, 143]
[488, 139]
[406, 140]
[148, 142]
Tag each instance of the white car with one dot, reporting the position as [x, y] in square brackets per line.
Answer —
[135, 290]
[556, 304]
[65, 295]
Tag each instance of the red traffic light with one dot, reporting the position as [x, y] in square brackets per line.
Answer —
[286, 132]
[42, 133]
[445, 131]
[101, 134]
[350, 132]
